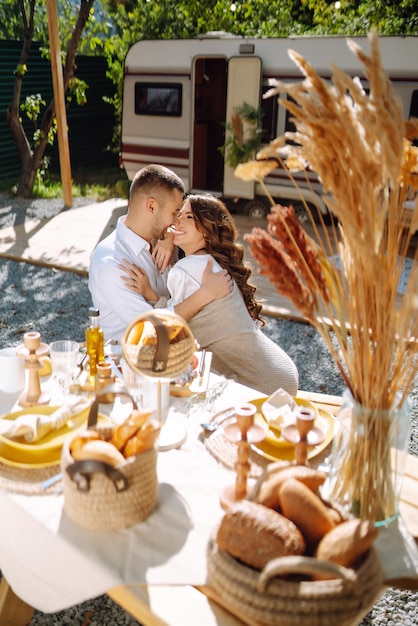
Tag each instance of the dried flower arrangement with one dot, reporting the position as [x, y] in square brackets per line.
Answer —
[360, 147]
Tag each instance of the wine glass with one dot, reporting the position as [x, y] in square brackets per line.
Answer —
[64, 356]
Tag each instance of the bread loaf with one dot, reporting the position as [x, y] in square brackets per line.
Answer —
[306, 510]
[347, 542]
[269, 492]
[255, 534]
[99, 450]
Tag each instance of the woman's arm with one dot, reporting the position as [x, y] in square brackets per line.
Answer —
[215, 285]
[163, 250]
[136, 279]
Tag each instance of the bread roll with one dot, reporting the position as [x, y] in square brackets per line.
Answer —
[99, 450]
[269, 492]
[306, 510]
[255, 534]
[123, 432]
[347, 542]
[78, 442]
[144, 439]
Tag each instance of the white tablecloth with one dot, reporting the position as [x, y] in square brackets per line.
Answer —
[52, 564]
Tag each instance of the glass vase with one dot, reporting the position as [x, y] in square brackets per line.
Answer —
[368, 459]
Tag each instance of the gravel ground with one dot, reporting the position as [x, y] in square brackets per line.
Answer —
[55, 303]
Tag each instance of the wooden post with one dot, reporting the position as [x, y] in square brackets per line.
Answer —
[13, 611]
[59, 99]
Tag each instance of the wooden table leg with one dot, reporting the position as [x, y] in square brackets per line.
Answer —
[13, 611]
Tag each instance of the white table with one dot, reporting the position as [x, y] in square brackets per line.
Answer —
[154, 569]
[52, 564]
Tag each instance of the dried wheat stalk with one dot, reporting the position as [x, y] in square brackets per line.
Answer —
[359, 145]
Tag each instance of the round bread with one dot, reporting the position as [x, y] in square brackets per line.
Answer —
[80, 441]
[347, 542]
[306, 509]
[255, 534]
[99, 450]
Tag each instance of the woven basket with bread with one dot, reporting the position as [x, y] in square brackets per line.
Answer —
[159, 345]
[110, 473]
[284, 557]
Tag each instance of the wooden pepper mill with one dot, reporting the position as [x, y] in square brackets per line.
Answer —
[32, 350]
[242, 432]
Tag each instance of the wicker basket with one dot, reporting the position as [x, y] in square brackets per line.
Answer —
[164, 359]
[100, 497]
[263, 598]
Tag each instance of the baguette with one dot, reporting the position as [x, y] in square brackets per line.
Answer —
[306, 510]
[123, 432]
[255, 534]
[144, 439]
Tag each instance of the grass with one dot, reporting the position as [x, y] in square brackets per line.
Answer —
[99, 184]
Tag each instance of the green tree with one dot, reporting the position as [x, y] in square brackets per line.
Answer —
[358, 17]
[115, 25]
[33, 20]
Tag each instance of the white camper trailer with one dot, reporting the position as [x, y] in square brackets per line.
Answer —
[179, 95]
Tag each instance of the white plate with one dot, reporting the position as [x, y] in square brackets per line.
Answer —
[172, 435]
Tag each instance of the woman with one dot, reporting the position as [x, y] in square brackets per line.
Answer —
[229, 327]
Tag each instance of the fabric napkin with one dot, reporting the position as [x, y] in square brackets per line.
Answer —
[280, 405]
[35, 426]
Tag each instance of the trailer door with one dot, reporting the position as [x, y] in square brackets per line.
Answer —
[244, 85]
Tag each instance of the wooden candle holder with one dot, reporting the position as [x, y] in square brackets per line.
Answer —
[32, 350]
[302, 434]
[242, 432]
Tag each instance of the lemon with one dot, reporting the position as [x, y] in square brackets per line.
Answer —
[46, 368]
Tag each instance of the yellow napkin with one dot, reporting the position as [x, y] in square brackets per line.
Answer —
[34, 427]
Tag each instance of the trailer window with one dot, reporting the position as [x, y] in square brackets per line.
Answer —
[413, 111]
[269, 107]
[158, 99]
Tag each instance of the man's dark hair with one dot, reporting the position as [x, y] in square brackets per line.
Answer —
[154, 178]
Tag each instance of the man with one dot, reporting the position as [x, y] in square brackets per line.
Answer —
[155, 197]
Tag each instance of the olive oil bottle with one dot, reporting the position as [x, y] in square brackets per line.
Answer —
[94, 343]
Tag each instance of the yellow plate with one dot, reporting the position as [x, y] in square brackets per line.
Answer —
[274, 448]
[48, 450]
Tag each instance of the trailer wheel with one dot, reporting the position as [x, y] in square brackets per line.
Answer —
[258, 208]
[303, 215]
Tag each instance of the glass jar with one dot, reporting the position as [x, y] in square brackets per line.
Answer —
[368, 459]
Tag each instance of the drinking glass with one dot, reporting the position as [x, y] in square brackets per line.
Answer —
[132, 381]
[64, 356]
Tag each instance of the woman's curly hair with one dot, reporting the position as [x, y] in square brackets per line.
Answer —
[215, 222]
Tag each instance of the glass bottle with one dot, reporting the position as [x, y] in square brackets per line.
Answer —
[94, 342]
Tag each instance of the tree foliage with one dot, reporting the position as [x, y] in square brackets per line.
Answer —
[112, 26]
[42, 115]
